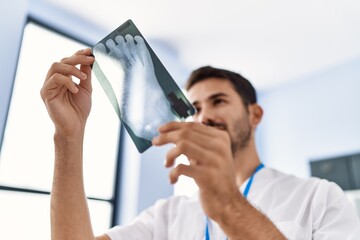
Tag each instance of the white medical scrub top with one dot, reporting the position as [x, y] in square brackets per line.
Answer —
[300, 209]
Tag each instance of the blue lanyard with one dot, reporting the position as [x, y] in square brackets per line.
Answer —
[245, 194]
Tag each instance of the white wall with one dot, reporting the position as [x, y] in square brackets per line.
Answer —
[315, 117]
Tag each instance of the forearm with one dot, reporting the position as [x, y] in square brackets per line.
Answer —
[70, 217]
[242, 221]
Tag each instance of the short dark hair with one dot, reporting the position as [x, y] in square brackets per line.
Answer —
[242, 86]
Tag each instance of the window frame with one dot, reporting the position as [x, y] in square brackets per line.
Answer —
[114, 200]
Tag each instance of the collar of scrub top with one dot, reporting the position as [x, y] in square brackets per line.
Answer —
[245, 194]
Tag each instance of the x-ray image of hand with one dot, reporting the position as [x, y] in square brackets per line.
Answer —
[143, 104]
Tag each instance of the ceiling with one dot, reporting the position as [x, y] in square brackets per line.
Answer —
[269, 42]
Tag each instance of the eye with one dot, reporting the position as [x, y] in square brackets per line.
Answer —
[218, 101]
[197, 110]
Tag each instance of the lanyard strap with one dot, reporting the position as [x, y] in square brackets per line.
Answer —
[248, 185]
[245, 194]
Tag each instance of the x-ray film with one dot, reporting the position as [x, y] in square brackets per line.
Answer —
[140, 89]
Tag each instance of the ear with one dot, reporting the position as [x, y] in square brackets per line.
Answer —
[255, 114]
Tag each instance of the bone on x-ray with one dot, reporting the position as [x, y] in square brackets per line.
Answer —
[140, 89]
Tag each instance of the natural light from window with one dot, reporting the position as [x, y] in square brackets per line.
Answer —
[27, 153]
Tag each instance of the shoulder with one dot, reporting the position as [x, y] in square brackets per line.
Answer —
[153, 222]
[319, 195]
[290, 182]
[317, 205]
[316, 193]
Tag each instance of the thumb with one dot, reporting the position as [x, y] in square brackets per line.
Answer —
[87, 82]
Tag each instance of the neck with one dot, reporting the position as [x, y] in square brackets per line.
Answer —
[246, 160]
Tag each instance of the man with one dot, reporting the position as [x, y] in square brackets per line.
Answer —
[238, 198]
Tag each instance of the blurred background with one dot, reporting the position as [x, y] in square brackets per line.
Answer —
[303, 58]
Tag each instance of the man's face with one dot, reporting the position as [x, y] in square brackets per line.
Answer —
[219, 105]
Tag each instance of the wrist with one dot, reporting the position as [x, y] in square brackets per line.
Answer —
[234, 217]
[68, 147]
[232, 210]
[240, 220]
[69, 136]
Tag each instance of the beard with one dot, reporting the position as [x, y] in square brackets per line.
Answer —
[240, 135]
[239, 132]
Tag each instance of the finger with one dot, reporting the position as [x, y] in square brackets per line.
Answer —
[170, 133]
[66, 70]
[87, 85]
[196, 153]
[57, 82]
[188, 135]
[182, 169]
[78, 59]
[61, 80]
[193, 162]
[86, 51]
[171, 126]
[195, 126]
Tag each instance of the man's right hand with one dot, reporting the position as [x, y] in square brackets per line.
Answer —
[69, 103]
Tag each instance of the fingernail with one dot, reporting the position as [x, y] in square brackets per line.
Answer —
[85, 50]
[76, 89]
[83, 75]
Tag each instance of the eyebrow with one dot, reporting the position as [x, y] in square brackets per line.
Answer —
[213, 96]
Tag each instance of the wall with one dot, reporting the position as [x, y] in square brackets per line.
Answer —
[314, 117]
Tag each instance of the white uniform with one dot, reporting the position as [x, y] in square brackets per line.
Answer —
[301, 209]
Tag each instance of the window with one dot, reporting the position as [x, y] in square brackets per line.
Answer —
[27, 151]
